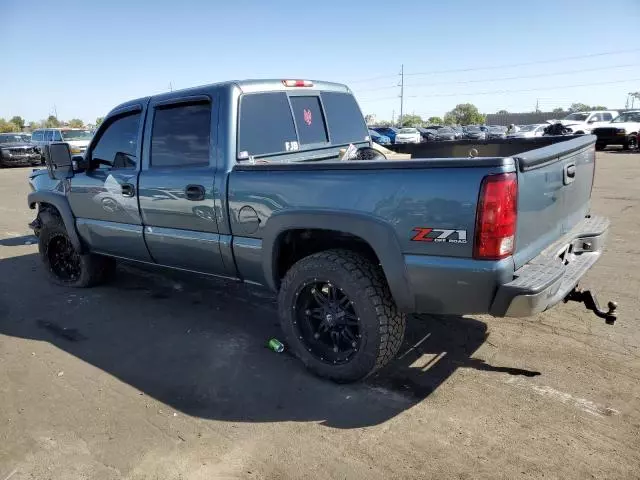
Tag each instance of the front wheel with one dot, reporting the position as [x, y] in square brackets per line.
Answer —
[600, 146]
[63, 263]
[338, 315]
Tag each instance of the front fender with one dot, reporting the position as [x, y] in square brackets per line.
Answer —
[379, 235]
[61, 203]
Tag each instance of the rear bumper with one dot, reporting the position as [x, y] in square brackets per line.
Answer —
[460, 286]
[612, 138]
[548, 278]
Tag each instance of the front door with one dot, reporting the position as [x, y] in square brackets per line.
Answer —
[176, 185]
[104, 198]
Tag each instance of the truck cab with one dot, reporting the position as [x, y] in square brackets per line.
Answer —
[581, 123]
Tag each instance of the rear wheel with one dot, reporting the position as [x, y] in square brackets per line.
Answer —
[632, 142]
[64, 264]
[338, 315]
[600, 146]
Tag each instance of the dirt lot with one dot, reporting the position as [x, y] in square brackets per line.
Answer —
[156, 377]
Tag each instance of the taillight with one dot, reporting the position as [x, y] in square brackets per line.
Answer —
[495, 235]
[297, 83]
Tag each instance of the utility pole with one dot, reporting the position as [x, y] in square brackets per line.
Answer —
[393, 117]
[170, 87]
[537, 105]
[401, 94]
[55, 111]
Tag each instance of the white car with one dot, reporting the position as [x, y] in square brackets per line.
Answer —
[622, 131]
[529, 131]
[408, 135]
[581, 123]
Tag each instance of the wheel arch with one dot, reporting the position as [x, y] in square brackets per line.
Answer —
[61, 204]
[379, 237]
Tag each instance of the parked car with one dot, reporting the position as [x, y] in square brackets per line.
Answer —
[580, 123]
[623, 130]
[474, 132]
[16, 149]
[461, 236]
[459, 131]
[529, 131]
[387, 132]
[408, 135]
[378, 138]
[496, 132]
[77, 138]
[446, 133]
[427, 134]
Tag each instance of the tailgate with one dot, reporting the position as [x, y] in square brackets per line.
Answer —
[554, 192]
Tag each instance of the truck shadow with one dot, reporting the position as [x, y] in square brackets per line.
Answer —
[198, 346]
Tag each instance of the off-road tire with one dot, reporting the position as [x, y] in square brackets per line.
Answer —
[382, 325]
[94, 269]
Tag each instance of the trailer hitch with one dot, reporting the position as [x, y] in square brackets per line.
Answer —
[591, 302]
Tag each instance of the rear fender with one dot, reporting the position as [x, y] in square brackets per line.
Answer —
[61, 203]
[380, 236]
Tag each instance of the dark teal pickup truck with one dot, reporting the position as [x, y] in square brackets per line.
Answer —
[249, 180]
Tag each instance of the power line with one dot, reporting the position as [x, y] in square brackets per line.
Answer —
[495, 67]
[536, 62]
[506, 91]
[518, 77]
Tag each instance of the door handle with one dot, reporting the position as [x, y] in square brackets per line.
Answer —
[128, 190]
[569, 173]
[194, 192]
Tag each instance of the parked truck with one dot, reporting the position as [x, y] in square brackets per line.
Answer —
[248, 180]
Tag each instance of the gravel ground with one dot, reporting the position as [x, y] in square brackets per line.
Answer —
[164, 377]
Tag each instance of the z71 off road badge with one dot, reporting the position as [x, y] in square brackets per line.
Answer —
[439, 235]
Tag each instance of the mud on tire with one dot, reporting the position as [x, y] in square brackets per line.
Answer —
[380, 325]
[63, 264]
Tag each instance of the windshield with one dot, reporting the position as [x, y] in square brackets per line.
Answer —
[528, 128]
[627, 117]
[408, 130]
[445, 130]
[76, 134]
[473, 128]
[495, 129]
[14, 138]
[580, 117]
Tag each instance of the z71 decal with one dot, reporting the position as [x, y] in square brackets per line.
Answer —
[439, 235]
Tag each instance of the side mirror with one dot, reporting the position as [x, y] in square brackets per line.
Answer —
[58, 159]
[592, 120]
[79, 163]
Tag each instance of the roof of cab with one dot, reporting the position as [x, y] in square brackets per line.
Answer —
[245, 86]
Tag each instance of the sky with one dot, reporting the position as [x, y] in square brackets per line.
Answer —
[82, 58]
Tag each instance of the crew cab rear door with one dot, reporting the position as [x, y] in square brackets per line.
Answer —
[176, 184]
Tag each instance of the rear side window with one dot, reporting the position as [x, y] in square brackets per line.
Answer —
[57, 137]
[309, 120]
[346, 124]
[118, 143]
[265, 125]
[180, 135]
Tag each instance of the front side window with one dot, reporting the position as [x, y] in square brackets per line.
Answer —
[265, 125]
[68, 135]
[49, 135]
[180, 135]
[607, 117]
[56, 136]
[117, 146]
[36, 136]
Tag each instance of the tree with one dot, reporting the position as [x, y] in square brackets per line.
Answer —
[579, 107]
[464, 114]
[99, 120]
[502, 112]
[598, 107]
[411, 121]
[18, 121]
[435, 121]
[35, 125]
[76, 123]
[7, 126]
[369, 119]
[384, 123]
[51, 122]
[557, 110]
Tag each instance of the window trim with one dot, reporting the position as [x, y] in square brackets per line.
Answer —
[311, 146]
[178, 102]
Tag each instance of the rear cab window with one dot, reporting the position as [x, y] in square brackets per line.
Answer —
[276, 123]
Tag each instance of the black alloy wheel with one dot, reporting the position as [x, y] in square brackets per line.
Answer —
[327, 322]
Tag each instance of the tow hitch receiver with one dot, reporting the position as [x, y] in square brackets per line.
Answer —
[591, 302]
